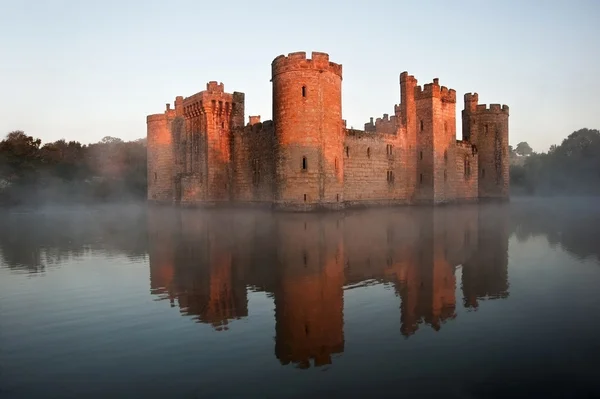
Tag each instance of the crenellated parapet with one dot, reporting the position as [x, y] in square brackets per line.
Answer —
[363, 134]
[386, 124]
[297, 62]
[472, 106]
[492, 108]
[434, 89]
[256, 128]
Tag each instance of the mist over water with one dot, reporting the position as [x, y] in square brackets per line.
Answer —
[462, 301]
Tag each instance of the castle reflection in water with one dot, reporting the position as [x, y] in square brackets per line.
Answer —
[205, 263]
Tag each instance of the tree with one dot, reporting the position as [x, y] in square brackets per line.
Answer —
[524, 149]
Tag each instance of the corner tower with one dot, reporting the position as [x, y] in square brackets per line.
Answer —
[487, 128]
[160, 149]
[307, 113]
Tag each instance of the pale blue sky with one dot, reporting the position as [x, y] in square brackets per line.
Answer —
[81, 70]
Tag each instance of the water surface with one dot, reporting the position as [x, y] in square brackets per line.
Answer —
[460, 301]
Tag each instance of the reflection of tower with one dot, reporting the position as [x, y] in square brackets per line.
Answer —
[162, 241]
[309, 294]
[427, 288]
[193, 258]
[485, 275]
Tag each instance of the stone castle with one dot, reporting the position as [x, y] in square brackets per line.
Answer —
[203, 152]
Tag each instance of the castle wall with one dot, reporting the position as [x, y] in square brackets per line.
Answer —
[307, 112]
[373, 168]
[466, 181]
[160, 159]
[254, 163]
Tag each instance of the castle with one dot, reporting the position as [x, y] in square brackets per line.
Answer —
[203, 153]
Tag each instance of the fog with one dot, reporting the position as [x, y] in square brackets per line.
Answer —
[33, 237]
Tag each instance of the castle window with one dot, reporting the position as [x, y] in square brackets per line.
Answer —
[155, 176]
[467, 167]
[255, 172]
[337, 197]
[303, 91]
[368, 152]
[347, 152]
[336, 165]
[390, 176]
[389, 149]
[421, 178]
[422, 125]
[304, 197]
[421, 155]
[223, 124]
[304, 163]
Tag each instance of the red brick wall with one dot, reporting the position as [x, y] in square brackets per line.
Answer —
[307, 112]
[209, 115]
[367, 162]
[466, 183]
[428, 117]
[253, 163]
[487, 128]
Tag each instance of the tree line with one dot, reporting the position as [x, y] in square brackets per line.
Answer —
[70, 172]
[115, 170]
[571, 168]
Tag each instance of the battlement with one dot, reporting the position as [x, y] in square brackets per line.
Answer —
[492, 108]
[472, 105]
[156, 117]
[387, 125]
[214, 87]
[362, 134]
[434, 89]
[298, 61]
[405, 77]
[259, 127]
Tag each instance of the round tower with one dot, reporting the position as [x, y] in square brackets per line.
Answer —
[160, 157]
[307, 113]
[489, 132]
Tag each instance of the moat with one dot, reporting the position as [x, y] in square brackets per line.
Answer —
[468, 301]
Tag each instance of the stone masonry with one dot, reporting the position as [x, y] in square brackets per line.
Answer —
[203, 153]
